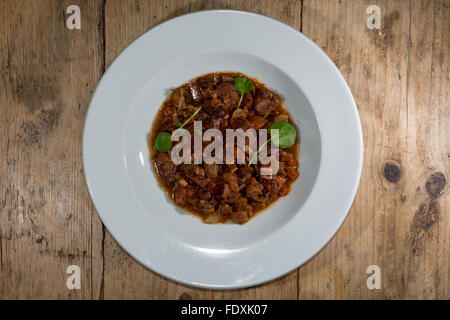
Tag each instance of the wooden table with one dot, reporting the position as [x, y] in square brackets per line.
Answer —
[399, 221]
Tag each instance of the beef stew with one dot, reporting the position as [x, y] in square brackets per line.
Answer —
[219, 193]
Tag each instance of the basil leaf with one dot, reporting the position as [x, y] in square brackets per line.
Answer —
[163, 141]
[285, 136]
[243, 85]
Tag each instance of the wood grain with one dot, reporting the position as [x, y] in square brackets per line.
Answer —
[399, 76]
[47, 221]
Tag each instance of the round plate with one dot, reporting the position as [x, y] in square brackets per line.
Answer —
[136, 210]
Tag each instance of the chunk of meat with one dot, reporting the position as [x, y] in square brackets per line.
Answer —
[240, 204]
[229, 95]
[199, 170]
[239, 114]
[182, 195]
[243, 124]
[224, 123]
[182, 182]
[205, 207]
[232, 168]
[245, 170]
[211, 101]
[286, 156]
[212, 104]
[205, 195]
[279, 182]
[223, 190]
[195, 92]
[196, 174]
[247, 101]
[200, 181]
[276, 99]
[257, 122]
[255, 191]
[239, 216]
[284, 191]
[226, 78]
[225, 209]
[281, 169]
[212, 170]
[232, 180]
[186, 110]
[292, 175]
[263, 107]
[281, 117]
[213, 123]
[215, 217]
[178, 98]
[165, 167]
[244, 178]
[266, 101]
[245, 173]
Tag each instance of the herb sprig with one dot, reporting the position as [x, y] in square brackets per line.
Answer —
[282, 133]
[243, 85]
[163, 141]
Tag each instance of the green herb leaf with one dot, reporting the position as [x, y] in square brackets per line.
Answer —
[163, 141]
[283, 134]
[243, 85]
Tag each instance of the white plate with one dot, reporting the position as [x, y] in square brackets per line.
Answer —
[136, 211]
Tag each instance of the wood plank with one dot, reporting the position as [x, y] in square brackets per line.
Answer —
[399, 220]
[124, 277]
[427, 256]
[399, 77]
[48, 74]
